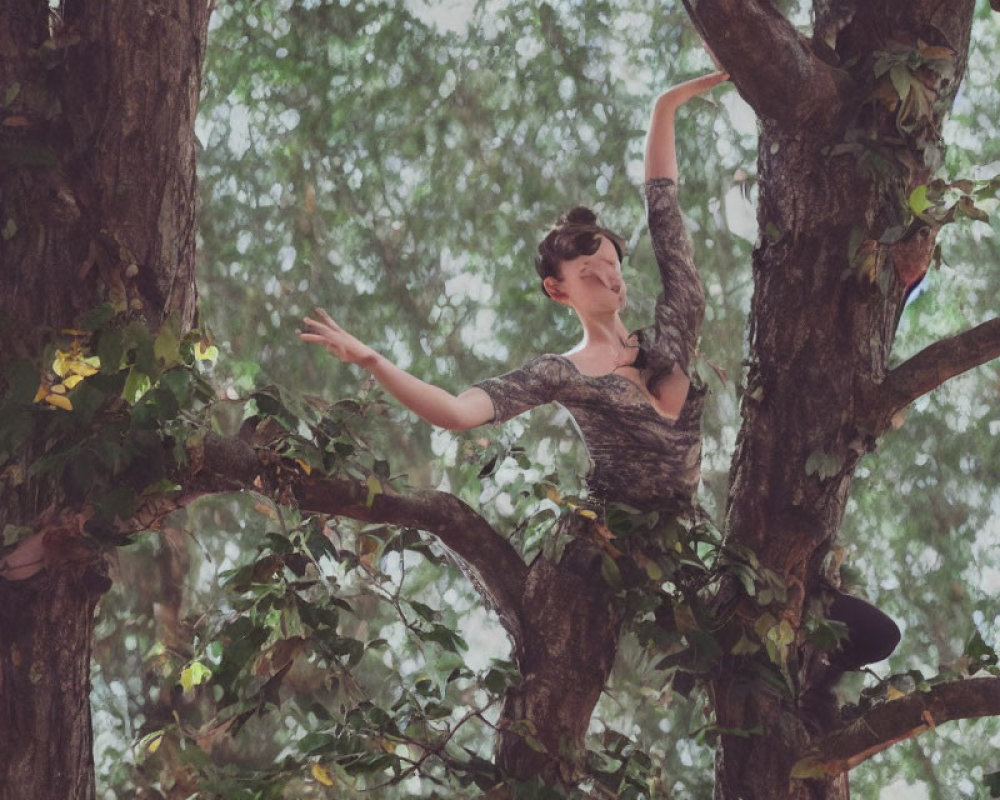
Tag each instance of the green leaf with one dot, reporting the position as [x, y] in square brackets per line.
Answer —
[991, 781]
[901, 79]
[918, 200]
[744, 647]
[97, 317]
[136, 386]
[610, 572]
[21, 377]
[9, 96]
[119, 502]
[980, 653]
[167, 347]
[823, 464]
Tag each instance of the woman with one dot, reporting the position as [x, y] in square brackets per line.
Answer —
[634, 397]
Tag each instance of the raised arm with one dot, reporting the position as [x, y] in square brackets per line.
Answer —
[431, 403]
[681, 306]
[661, 155]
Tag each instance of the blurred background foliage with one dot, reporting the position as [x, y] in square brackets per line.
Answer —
[396, 163]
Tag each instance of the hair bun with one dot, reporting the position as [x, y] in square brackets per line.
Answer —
[578, 215]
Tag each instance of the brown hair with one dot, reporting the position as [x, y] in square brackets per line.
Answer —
[576, 233]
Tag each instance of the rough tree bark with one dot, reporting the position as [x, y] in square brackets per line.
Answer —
[97, 185]
[837, 153]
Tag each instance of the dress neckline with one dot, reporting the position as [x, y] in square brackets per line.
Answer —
[615, 375]
[632, 384]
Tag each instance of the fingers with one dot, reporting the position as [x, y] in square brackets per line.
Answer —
[710, 80]
[327, 319]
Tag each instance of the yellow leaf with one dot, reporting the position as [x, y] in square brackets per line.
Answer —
[553, 494]
[894, 693]
[85, 366]
[43, 390]
[70, 363]
[305, 467]
[61, 364]
[321, 774]
[204, 352]
[155, 744]
[59, 401]
[58, 389]
[72, 380]
[194, 674]
[809, 768]
[374, 486]
[586, 512]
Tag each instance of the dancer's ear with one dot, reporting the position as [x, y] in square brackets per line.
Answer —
[554, 289]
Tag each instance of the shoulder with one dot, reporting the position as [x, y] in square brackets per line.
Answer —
[557, 368]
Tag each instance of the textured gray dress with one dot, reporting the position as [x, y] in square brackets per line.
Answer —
[637, 457]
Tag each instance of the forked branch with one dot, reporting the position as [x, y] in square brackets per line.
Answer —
[769, 61]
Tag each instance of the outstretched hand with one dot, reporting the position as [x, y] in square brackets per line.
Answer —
[325, 331]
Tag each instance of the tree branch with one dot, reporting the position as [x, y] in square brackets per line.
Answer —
[931, 367]
[898, 720]
[772, 64]
[498, 570]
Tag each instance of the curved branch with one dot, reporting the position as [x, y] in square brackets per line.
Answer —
[931, 367]
[899, 720]
[771, 63]
[499, 572]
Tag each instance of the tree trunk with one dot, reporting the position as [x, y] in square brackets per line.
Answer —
[97, 188]
[569, 630]
[46, 626]
[828, 295]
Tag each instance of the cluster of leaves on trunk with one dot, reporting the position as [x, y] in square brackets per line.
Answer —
[116, 406]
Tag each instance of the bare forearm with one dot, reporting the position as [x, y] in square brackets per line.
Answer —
[432, 403]
[661, 154]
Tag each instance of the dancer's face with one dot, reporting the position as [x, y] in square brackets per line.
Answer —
[590, 283]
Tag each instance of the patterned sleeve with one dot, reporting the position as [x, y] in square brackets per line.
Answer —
[681, 306]
[536, 383]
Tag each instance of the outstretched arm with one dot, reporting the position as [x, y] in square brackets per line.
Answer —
[431, 403]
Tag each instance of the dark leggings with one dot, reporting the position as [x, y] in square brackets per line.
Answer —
[871, 634]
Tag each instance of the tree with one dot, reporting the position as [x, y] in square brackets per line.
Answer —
[98, 191]
[842, 265]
